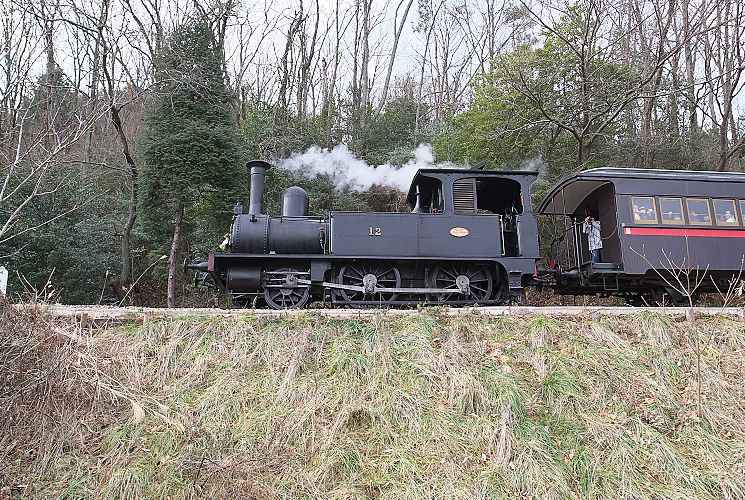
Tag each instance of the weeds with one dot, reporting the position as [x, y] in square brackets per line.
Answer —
[422, 406]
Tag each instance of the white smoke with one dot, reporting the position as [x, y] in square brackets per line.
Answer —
[346, 170]
[536, 164]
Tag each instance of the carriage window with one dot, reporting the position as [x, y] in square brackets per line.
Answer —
[671, 211]
[725, 213]
[698, 211]
[742, 209]
[644, 210]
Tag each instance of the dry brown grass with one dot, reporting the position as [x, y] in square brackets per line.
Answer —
[421, 406]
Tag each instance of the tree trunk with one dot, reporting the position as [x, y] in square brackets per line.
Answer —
[171, 298]
[417, 123]
[287, 67]
[307, 55]
[95, 75]
[332, 83]
[585, 149]
[672, 103]
[365, 64]
[396, 38]
[126, 274]
[690, 70]
[124, 279]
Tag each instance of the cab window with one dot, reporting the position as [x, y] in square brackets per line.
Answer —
[671, 210]
[644, 210]
[436, 204]
[699, 212]
[430, 199]
[487, 196]
[725, 213]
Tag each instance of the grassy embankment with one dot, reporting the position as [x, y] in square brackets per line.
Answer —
[423, 406]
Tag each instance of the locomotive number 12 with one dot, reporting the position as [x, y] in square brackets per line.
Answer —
[375, 231]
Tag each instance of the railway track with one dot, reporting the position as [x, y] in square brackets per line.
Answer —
[124, 314]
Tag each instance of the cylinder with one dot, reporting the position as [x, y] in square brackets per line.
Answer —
[244, 279]
[258, 173]
[295, 202]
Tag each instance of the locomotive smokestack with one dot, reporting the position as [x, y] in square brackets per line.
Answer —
[258, 173]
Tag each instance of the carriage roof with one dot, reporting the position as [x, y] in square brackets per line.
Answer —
[569, 193]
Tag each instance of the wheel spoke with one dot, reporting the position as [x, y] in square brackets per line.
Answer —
[450, 272]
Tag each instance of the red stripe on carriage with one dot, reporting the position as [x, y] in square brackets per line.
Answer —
[211, 262]
[684, 231]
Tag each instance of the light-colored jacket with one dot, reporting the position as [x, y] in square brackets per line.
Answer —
[593, 235]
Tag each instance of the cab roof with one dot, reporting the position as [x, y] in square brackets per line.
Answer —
[457, 173]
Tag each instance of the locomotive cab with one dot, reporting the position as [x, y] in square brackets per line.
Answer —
[498, 194]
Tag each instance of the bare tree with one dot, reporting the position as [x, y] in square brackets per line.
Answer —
[601, 97]
[396, 38]
[652, 33]
[365, 63]
[690, 61]
[287, 64]
[43, 121]
[724, 45]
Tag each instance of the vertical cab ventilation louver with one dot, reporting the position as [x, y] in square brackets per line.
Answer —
[464, 196]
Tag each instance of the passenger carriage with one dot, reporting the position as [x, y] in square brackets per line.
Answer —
[664, 232]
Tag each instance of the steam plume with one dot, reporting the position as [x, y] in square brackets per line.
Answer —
[347, 170]
[536, 164]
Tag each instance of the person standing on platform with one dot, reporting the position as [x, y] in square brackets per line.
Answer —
[591, 227]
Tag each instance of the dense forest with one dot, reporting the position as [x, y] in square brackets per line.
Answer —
[125, 125]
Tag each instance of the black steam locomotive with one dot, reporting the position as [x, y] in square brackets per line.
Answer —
[468, 239]
[471, 237]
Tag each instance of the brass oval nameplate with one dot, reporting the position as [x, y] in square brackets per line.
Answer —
[459, 232]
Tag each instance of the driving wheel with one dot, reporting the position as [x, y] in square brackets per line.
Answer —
[282, 289]
[369, 276]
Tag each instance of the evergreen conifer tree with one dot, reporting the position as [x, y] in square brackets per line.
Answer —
[191, 148]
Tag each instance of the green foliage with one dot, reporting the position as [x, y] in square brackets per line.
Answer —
[259, 130]
[381, 135]
[501, 124]
[268, 132]
[73, 252]
[544, 101]
[191, 150]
